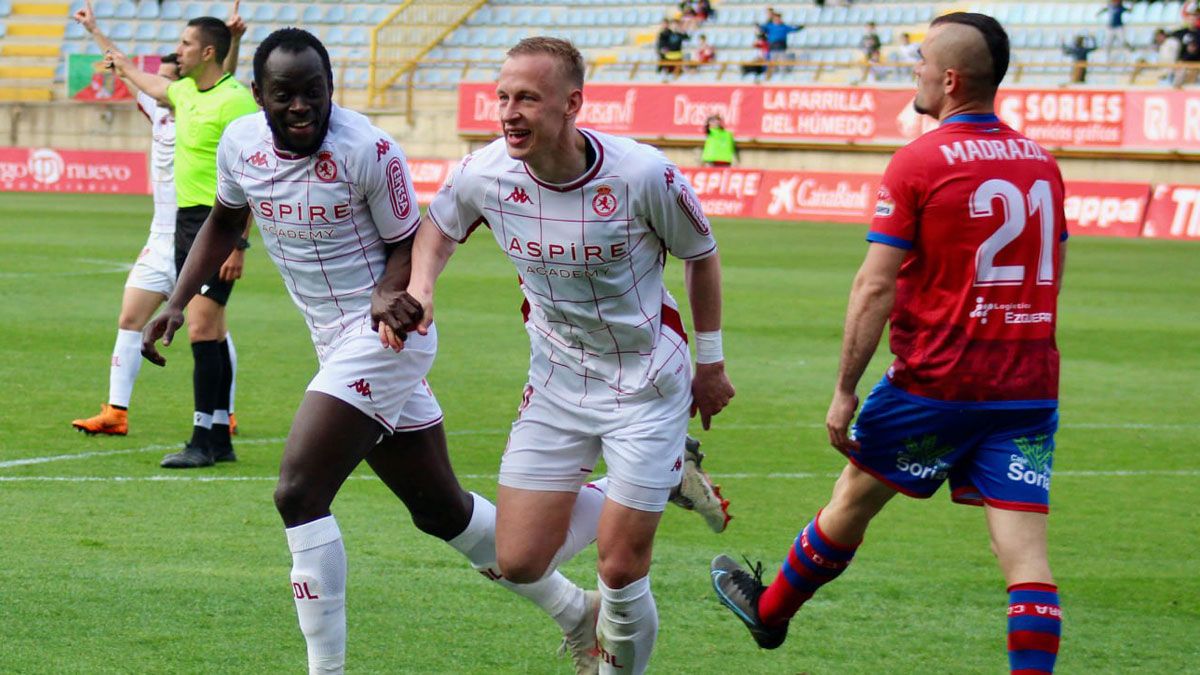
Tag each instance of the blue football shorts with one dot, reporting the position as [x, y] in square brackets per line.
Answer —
[999, 456]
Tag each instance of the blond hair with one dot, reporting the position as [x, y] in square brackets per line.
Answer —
[568, 57]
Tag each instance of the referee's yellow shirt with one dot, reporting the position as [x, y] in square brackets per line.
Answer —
[200, 119]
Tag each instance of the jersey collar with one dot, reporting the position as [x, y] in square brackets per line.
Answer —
[967, 118]
[582, 180]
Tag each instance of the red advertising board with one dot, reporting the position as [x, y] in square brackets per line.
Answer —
[87, 171]
[1106, 209]
[428, 176]
[1096, 119]
[1174, 213]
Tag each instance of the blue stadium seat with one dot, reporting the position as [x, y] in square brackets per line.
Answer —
[288, 14]
[170, 11]
[6, 7]
[146, 32]
[336, 14]
[219, 10]
[264, 13]
[168, 32]
[359, 14]
[104, 9]
[358, 36]
[125, 10]
[147, 10]
[335, 36]
[122, 32]
[260, 32]
[193, 10]
[314, 14]
[75, 31]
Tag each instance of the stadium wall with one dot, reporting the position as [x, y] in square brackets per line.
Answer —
[433, 133]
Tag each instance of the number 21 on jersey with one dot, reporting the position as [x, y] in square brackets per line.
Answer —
[1017, 207]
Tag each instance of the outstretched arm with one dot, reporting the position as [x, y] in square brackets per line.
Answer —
[214, 243]
[871, 299]
[237, 28]
[431, 251]
[151, 83]
[86, 17]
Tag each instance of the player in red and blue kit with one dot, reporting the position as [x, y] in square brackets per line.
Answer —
[965, 260]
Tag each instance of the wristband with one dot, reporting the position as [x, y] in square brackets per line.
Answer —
[243, 244]
[708, 347]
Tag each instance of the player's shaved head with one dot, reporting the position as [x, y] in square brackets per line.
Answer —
[975, 46]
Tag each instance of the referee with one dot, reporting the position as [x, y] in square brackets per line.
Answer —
[205, 100]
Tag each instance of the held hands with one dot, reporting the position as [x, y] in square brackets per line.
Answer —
[116, 61]
[711, 391]
[162, 326]
[393, 314]
[837, 421]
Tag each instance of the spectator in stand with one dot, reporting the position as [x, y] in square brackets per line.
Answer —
[1116, 26]
[1165, 54]
[757, 67]
[670, 48]
[1190, 56]
[687, 17]
[719, 146]
[870, 43]
[1079, 51]
[705, 53]
[777, 32]
[704, 10]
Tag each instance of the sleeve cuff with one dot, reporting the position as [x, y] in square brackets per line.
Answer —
[889, 240]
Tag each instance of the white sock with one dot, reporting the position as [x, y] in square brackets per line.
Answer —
[553, 593]
[200, 419]
[126, 362]
[319, 586]
[220, 417]
[585, 520]
[233, 368]
[627, 628]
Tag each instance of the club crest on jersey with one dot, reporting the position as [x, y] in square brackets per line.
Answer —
[398, 189]
[259, 159]
[326, 168]
[518, 196]
[884, 204]
[605, 202]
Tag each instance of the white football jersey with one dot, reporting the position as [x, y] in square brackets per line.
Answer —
[162, 161]
[590, 255]
[324, 218]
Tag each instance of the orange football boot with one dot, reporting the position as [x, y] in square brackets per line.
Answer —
[110, 421]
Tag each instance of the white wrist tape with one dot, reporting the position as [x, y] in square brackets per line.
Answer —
[708, 347]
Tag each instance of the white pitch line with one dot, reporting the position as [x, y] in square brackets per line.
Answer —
[192, 478]
[496, 432]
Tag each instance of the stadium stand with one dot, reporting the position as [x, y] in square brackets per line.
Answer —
[455, 40]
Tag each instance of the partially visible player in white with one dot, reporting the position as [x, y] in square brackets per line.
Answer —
[334, 202]
[587, 219]
[153, 275]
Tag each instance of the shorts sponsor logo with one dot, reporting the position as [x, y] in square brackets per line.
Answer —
[1033, 465]
[922, 458]
[605, 202]
[362, 387]
[398, 189]
[325, 168]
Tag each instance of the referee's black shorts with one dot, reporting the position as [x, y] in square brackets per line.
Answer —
[188, 221]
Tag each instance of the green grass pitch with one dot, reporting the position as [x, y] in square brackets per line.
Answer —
[110, 564]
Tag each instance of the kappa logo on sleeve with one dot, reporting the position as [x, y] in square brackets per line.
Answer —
[398, 189]
[382, 147]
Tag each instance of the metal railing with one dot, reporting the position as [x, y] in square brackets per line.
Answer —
[402, 39]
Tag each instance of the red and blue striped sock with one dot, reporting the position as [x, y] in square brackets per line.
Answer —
[1034, 627]
[813, 561]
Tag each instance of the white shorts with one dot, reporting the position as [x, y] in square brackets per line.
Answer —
[155, 270]
[387, 387]
[554, 444]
